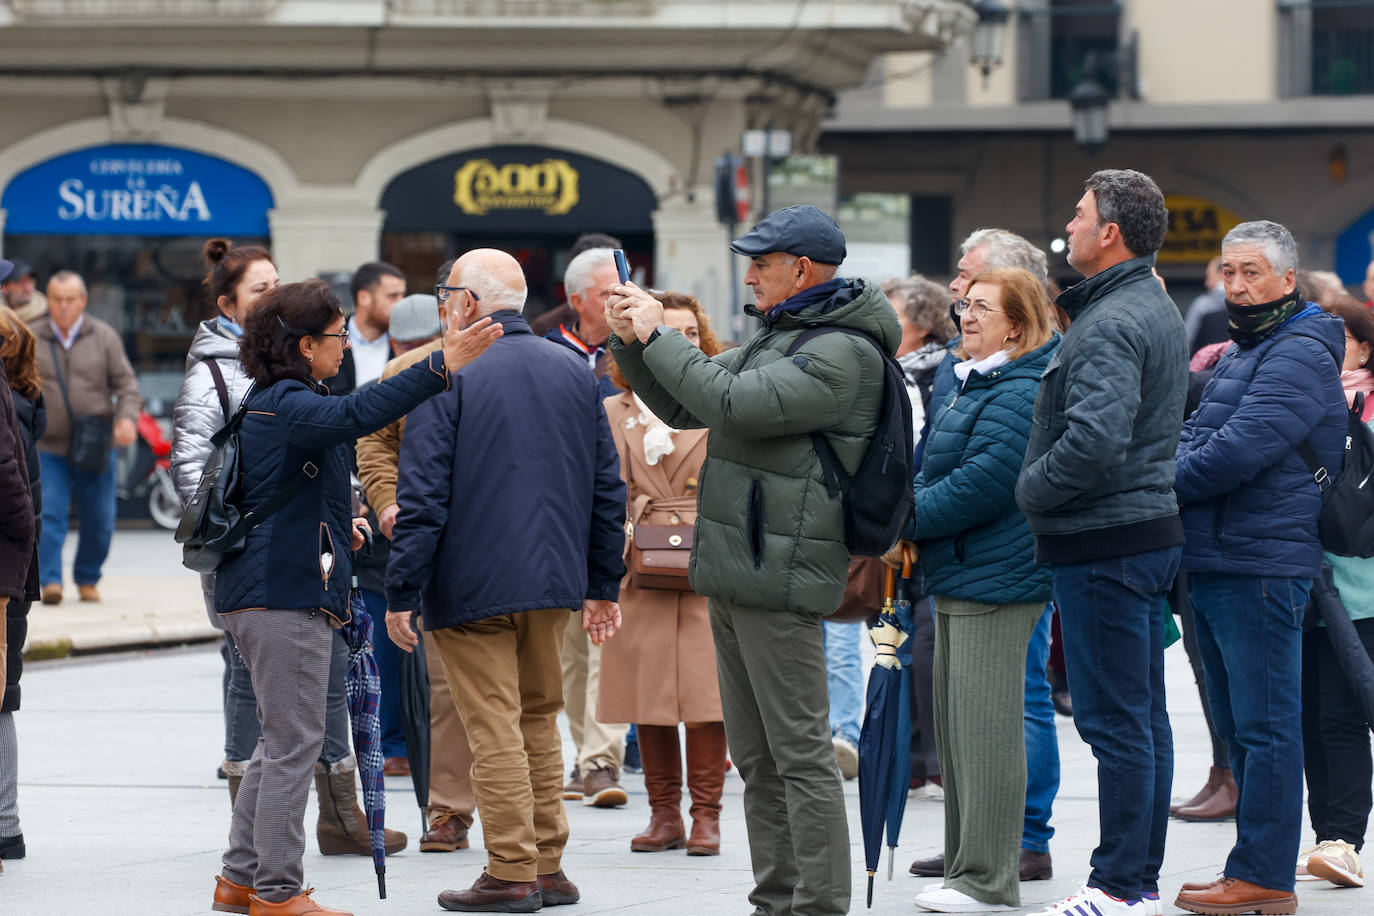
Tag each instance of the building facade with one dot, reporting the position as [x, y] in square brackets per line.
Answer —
[340, 131]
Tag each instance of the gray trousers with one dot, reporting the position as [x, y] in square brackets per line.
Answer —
[9, 777]
[287, 654]
[772, 691]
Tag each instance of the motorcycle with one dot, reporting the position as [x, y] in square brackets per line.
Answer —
[145, 472]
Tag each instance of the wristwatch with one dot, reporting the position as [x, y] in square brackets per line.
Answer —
[657, 331]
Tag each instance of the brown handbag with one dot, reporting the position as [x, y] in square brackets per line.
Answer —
[657, 555]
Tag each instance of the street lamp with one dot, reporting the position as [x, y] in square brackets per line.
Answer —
[1089, 99]
[989, 36]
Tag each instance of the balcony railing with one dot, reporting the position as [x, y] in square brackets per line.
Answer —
[1343, 61]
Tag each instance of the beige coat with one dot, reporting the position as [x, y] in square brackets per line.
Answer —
[100, 381]
[660, 668]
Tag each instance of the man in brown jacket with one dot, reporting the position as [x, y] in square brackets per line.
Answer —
[85, 374]
[451, 799]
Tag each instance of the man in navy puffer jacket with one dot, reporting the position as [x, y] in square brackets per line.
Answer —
[1250, 508]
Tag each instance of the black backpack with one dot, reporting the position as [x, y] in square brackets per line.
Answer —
[1346, 524]
[878, 497]
[212, 529]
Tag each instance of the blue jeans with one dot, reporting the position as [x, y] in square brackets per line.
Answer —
[844, 677]
[1111, 612]
[1249, 633]
[386, 653]
[1042, 741]
[241, 726]
[94, 492]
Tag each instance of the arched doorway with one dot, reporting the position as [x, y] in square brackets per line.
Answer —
[532, 201]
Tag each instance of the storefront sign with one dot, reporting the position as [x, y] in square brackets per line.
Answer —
[481, 185]
[1196, 228]
[1355, 250]
[136, 190]
[518, 189]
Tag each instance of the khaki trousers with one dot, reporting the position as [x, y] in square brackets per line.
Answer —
[450, 756]
[598, 745]
[503, 673]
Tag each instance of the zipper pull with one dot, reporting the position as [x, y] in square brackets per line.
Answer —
[326, 567]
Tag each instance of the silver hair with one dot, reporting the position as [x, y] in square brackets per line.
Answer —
[492, 294]
[67, 276]
[1007, 249]
[577, 276]
[925, 304]
[1273, 238]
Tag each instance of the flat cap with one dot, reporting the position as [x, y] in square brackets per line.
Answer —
[415, 318]
[802, 230]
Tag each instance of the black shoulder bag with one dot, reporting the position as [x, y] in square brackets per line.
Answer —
[212, 529]
[89, 437]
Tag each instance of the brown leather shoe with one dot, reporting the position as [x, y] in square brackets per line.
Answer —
[395, 766]
[1219, 806]
[88, 592]
[445, 834]
[52, 593]
[934, 867]
[299, 905]
[706, 765]
[572, 791]
[1034, 866]
[492, 895]
[557, 890]
[1206, 792]
[601, 790]
[1199, 885]
[1233, 896]
[230, 897]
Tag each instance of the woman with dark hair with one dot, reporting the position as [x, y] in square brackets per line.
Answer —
[1335, 728]
[214, 385]
[660, 670]
[978, 557]
[18, 356]
[280, 598]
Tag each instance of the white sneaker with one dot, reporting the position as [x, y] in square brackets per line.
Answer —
[932, 790]
[1337, 862]
[847, 756]
[1093, 901]
[1302, 874]
[1153, 905]
[948, 900]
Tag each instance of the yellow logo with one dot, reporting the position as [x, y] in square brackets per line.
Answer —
[481, 186]
[1196, 227]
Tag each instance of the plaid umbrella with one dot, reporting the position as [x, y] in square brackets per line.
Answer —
[364, 687]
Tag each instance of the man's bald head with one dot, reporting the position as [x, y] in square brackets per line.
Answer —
[495, 278]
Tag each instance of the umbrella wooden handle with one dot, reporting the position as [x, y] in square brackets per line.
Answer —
[889, 583]
[907, 560]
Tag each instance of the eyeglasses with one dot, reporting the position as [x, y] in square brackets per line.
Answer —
[980, 309]
[443, 292]
[342, 335]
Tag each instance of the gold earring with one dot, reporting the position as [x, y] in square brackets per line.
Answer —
[311, 357]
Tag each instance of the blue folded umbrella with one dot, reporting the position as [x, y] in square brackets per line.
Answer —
[364, 688]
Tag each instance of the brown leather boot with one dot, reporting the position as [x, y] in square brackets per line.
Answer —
[342, 827]
[299, 905]
[1206, 792]
[492, 895]
[706, 781]
[1231, 895]
[662, 756]
[1220, 806]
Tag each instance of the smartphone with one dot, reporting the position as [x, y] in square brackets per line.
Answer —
[622, 266]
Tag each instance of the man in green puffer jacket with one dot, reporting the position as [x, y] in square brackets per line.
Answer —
[769, 547]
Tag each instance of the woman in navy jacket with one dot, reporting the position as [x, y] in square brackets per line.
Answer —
[978, 557]
[282, 594]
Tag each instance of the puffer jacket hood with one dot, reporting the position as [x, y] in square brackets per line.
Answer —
[975, 543]
[768, 534]
[1250, 505]
[198, 414]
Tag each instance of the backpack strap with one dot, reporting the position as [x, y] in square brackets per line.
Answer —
[283, 494]
[1320, 474]
[837, 480]
[213, 365]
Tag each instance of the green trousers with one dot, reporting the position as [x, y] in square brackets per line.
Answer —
[773, 694]
[980, 684]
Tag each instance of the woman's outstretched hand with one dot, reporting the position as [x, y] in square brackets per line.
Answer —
[463, 345]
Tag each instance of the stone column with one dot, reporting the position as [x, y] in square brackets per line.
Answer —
[692, 255]
[323, 232]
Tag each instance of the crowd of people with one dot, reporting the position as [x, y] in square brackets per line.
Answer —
[1089, 463]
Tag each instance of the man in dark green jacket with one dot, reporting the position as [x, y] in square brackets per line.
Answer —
[769, 547]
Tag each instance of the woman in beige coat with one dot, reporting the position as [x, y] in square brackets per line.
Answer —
[660, 670]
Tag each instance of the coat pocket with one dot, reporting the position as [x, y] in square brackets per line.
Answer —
[326, 555]
[756, 522]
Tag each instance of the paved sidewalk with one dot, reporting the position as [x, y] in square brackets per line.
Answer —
[122, 813]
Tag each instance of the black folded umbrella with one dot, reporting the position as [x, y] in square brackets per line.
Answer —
[1340, 629]
[413, 676]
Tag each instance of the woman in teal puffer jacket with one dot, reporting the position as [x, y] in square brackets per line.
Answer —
[978, 557]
